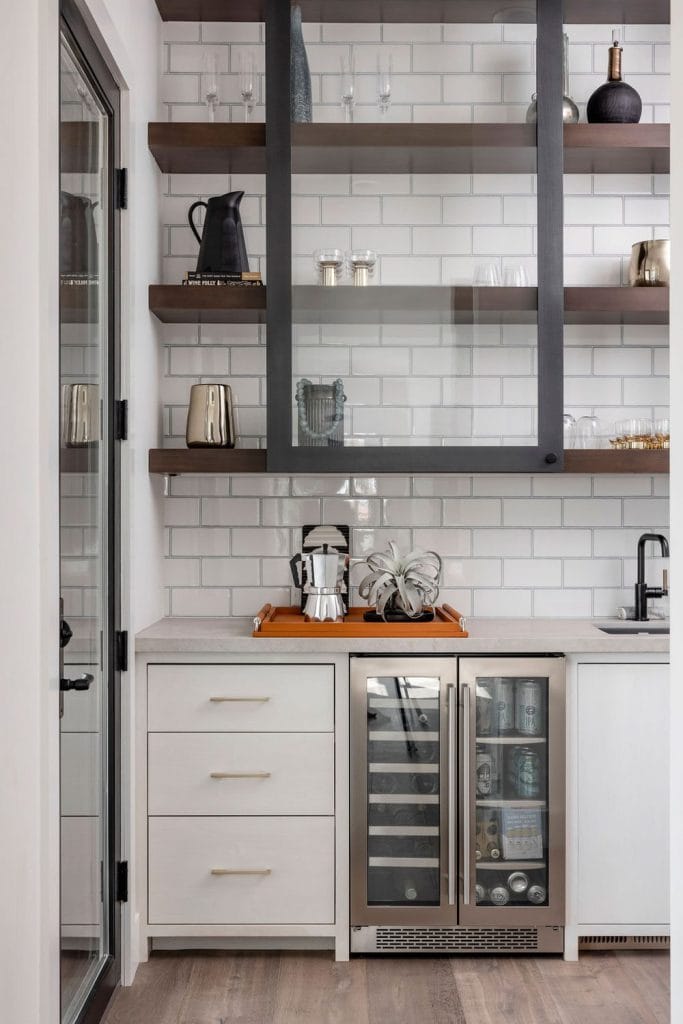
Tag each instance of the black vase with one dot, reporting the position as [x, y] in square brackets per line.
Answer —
[615, 102]
[222, 249]
[299, 73]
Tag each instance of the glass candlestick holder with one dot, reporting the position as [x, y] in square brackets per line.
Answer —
[362, 265]
[329, 263]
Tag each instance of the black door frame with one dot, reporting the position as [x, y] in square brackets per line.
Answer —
[100, 78]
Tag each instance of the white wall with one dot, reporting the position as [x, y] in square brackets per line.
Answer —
[29, 622]
[29, 420]
[676, 802]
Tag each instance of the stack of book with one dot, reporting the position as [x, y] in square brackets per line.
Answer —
[78, 280]
[246, 277]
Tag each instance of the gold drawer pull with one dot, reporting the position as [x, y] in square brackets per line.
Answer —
[240, 775]
[239, 700]
[240, 871]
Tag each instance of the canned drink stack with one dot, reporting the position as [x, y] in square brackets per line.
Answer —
[529, 707]
[503, 706]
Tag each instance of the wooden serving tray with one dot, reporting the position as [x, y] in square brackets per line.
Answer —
[284, 622]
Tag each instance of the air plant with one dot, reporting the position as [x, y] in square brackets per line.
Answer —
[404, 584]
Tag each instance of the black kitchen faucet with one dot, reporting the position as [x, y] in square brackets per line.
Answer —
[642, 589]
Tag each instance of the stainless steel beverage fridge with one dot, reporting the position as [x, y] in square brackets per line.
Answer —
[457, 804]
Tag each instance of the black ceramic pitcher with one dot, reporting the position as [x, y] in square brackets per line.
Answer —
[222, 249]
[77, 237]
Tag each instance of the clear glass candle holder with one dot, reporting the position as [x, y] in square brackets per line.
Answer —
[362, 265]
[329, 263]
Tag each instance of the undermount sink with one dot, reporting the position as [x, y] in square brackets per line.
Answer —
[636, 629]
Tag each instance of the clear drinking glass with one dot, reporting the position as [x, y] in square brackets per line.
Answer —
[247, 71]
[385, 65]
[348, 86]
[569, 425]
[210, 82]
[515, 276]
[486, 275]
[588, 432]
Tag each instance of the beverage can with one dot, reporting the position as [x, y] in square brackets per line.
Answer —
[528, 775]
[529, 707]
[518, 882]
[537, 894]
[479, 893]
[499, 896]
[484, 770]
[503, 706]
[484, 709]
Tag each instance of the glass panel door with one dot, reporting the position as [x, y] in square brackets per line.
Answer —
[402, 750]
[512, 835]
[88, 577]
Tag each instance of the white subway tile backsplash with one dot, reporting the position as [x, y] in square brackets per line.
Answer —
[512, 543]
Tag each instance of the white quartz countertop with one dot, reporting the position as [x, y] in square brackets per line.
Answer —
[178, 635]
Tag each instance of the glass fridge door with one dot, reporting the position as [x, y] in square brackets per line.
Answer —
[403, 767]
[512, 807]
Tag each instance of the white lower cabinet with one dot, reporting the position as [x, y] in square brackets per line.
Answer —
[239, 801]
[277, 870]
[622, 812]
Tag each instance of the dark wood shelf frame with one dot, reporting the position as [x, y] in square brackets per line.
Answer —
[617, 12]
[203, 148]
[173, 461]
[79, 303]
[593, 461]
[417, 304]
[208, 304]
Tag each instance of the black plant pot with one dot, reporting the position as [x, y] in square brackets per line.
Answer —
[614, 103]
[397, 616]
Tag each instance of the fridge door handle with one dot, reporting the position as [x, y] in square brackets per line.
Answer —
[451, 794]
[466, 808]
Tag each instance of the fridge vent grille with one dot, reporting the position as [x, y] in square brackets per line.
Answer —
[457, 940]
[624, 942]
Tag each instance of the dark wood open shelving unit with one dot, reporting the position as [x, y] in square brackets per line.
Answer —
[418, 304]
[173, 461]
[203, 148]
[448, 11]
[205, 304]
[608, 461]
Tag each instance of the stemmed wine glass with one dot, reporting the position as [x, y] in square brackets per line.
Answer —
[247, 68]
[384, 69]
[348, 89]
[210, 82]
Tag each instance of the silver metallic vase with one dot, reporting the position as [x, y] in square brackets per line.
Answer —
[209, 417]
[321, 414]
[570, 111]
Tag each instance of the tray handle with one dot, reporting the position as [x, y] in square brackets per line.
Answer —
[460, 619]
[261, 616]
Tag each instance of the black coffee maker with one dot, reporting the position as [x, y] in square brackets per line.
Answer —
[222, 249]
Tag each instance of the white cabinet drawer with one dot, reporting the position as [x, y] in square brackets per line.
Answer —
[294, 858]
[230, 773]
[241, 698]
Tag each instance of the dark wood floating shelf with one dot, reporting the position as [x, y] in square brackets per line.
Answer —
[464, 11]
[607, 461]
[418, 304]
[79, 147]
[204, 304]
[203, 148]
[79, 303]
[616, 305]
[172, 461]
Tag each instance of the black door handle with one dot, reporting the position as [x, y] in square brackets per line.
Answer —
[82, 683]
[65, 633]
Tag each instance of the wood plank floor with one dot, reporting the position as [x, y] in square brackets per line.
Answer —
[310, 988]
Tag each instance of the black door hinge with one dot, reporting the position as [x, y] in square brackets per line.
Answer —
[121, 643]
[121, 420]
[122, 881]
[121, 188]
